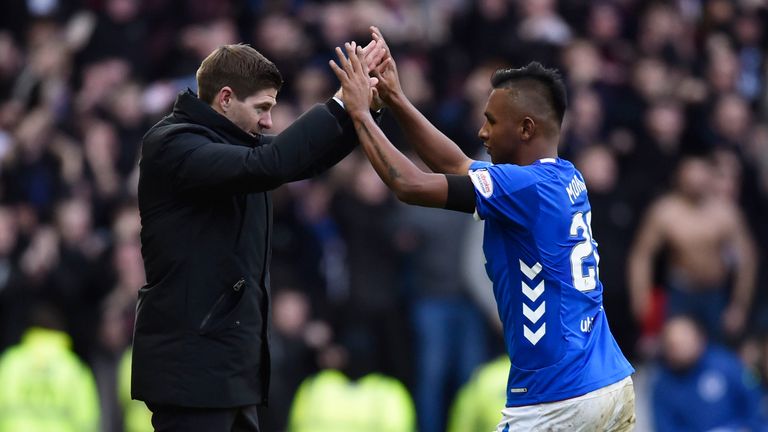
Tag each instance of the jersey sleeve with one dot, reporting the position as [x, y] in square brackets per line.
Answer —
[504, 192]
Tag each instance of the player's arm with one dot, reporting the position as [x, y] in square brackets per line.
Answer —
[410, 184]
[648, 241]
[437, 150]
[342, 145]
[744, 278]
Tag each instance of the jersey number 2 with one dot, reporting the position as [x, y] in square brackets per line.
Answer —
[583, 251]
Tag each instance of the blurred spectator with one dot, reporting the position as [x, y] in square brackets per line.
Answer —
[46, 388]
[76, 283]
[663, 34]
[349, 393]
[582, 63]
[136, 416]
[486, 31]
[102, 151]
[330, 402]
[476, 407]
[461, 118]
[31, 170]
[312, 85]
[119, 33]
[656, 154]
[43, 82]
[282, 39]
[708, 242]
[749, 33]
[124, 109]
[701, 387]
[292, 354]
[118, 311]
[366, 213]
[11, 65]
[606, 28]
[730, 121]
[15, 298]
[585, 122]
[541, 23]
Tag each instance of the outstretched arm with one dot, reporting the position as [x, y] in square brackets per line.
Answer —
[410, 184]
[437, 150]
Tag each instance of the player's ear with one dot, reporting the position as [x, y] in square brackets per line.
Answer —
[527, 129]
[224, 98]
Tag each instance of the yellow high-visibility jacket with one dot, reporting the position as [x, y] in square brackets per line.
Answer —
[330, 402]
[44, 387]
[478, 404]
[136, 416]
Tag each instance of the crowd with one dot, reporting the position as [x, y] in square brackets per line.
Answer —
[667, 120]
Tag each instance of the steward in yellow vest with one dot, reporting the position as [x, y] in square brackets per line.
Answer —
[44, 387]
[136, 416]
[330, 402]
[478, 404]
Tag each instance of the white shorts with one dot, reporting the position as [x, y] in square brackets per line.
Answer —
[607, 409]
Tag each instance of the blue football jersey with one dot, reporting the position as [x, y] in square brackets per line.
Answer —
[543, 261]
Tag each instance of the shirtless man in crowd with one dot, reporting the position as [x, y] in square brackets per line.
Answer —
[711, 258]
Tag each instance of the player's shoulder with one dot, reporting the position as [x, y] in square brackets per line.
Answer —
[512, 177]
[538, 170]
[507, 178]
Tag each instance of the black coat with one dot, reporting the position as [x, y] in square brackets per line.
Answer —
[202, 318]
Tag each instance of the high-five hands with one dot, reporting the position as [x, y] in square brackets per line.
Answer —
[374, 54]
[356, 84]
[385, 70]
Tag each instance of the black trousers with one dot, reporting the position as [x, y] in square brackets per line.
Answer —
[168, 418]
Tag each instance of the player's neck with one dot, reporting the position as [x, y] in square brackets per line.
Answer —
[538, 154]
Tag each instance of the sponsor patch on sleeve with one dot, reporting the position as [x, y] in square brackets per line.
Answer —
[482, 180]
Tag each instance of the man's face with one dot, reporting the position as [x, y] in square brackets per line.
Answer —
[254, 113]
[694, 178]
[682, 344]
[499, 131]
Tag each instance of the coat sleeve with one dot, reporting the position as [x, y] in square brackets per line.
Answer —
[313, 142]
[339, 148]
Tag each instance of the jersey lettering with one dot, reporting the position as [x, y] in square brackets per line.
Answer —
[582, 251]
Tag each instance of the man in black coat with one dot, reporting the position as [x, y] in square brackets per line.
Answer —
[201, 351]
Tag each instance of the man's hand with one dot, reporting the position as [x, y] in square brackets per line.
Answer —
[357, 86]
[385, 70]
[374, 55]
[411, 184]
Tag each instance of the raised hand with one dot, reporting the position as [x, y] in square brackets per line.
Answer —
[356, 85]
[375, 53]
[385, 70]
